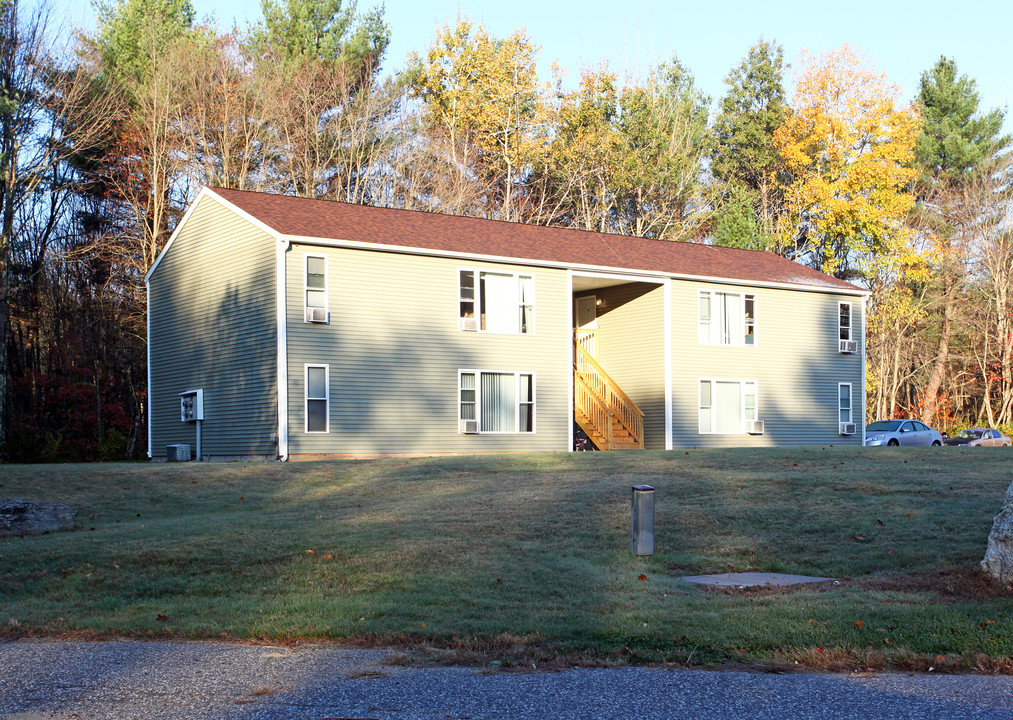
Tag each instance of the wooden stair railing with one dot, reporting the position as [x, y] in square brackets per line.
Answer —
[601, 404]
[592, 416]
[587, 338]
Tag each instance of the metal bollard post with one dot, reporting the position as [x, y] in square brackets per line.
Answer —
[642, 520]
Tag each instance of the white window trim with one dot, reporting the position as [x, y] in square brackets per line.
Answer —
[851, 320]
[742, 402]
[517, 394]
[305, 281]
[851, 402]
[740, 342]
[326, 398]
[478, 299]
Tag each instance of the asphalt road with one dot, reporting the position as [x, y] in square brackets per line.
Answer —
[205, 680]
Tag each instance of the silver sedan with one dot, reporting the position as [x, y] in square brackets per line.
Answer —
[980, 437]
[901, 432]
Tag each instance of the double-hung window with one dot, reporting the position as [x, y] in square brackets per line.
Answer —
[844, 321]
[317, 398]
[316, 288]
[726, 406]
[727, 318]
[844, 403]
[501, 402]
[496, 302]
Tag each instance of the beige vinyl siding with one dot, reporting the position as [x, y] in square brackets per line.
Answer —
[394, 350]
[795, 363]
[213, 326]
[631, 349]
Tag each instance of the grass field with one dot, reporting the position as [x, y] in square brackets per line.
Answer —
[525, 558]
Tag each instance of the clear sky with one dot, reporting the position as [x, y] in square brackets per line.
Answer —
[901, 37]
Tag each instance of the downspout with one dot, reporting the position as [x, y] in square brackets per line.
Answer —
[864, 359]
[147, 312]
[281, 249]
[667, 335]
[570, 351]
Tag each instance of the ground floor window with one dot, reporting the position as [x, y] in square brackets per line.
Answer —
[500, 402]
[317, 398]
[844, 402]
[726, 406]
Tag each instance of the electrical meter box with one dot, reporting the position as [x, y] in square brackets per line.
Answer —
[191, 405]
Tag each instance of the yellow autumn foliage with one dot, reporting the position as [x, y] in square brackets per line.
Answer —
[847, 147]
[484, 93]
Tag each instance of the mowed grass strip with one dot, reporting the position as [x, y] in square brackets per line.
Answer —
[526, 557]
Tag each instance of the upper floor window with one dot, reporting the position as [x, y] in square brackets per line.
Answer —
[727, 318]
[496, 302]
[316, 288]
[844, 320]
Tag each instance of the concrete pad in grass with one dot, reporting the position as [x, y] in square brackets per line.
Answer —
[752, 579]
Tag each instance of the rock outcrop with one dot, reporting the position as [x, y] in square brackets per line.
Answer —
[30, 517]
[998, 560]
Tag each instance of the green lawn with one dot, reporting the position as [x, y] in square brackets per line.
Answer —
[525, 558]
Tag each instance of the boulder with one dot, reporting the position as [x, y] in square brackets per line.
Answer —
[30, 517]
[998, 560]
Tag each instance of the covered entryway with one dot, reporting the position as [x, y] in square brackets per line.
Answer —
[619, 369]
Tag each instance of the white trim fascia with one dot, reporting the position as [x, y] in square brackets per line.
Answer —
[208, 192]
[668, 363]
[281, 309]
[577, 268]
[147, 314]
[570, 352]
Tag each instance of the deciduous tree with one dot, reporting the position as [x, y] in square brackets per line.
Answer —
[482, 93]
[847, 146]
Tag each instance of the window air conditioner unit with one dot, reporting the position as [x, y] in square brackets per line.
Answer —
[316, 315]
[847, 428]
[754, 427]
[468, 427]
[469, 323]
[849, 346]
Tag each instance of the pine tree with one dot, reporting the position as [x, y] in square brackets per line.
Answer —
[743, 150]
[750, 113]
[956, 139]
[957, 143]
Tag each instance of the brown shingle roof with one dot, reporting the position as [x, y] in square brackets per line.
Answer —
[331, 220]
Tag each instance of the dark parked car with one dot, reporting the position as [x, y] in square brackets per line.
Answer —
[980, 437]
[901, 432]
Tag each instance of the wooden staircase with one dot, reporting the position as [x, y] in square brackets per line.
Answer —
[602, 410]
